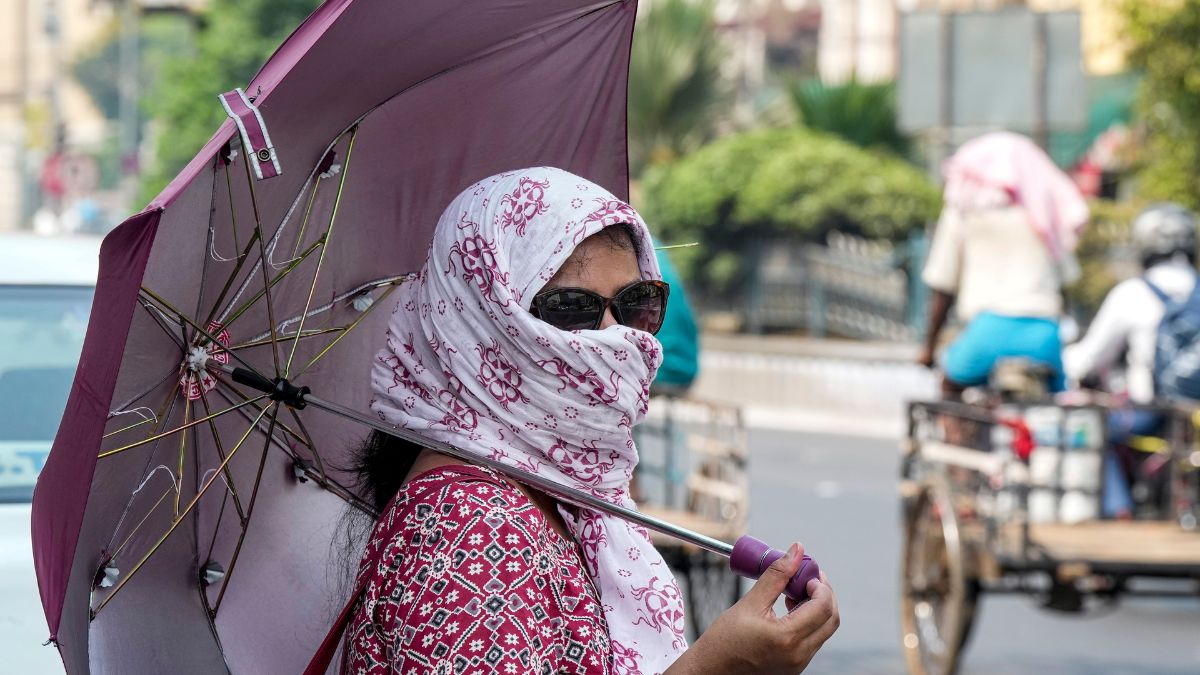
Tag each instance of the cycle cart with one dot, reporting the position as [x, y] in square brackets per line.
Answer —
[693, 472]
[1006, 499]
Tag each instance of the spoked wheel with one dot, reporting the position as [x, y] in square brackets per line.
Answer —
[937, 602]
[711, 588]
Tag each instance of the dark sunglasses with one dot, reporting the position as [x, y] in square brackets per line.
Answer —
[641, 305]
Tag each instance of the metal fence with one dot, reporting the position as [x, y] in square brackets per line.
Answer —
[851, 287]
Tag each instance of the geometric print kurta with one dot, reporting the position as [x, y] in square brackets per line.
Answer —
[471, 578]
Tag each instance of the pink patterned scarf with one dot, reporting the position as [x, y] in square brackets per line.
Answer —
[467, 364]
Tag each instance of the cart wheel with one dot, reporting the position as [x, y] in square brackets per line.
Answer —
[712, 588]
[937, 604]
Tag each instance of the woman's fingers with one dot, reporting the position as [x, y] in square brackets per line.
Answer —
[768, 588]
[811, 615]
[811, 624]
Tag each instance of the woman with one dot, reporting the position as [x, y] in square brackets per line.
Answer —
[527, 337]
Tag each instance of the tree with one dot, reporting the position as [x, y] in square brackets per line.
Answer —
[674, 81]
[863, 114]
[790, 184]
[235, 39]
[1163, 38]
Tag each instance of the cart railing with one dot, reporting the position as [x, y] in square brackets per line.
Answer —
[1023, 464]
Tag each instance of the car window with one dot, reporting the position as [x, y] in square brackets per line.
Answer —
[41, 335]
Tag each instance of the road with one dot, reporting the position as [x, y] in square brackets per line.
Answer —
[837, 494]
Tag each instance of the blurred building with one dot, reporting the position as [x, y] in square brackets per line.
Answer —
[50, 128]
[41, 108]
[859, 38]
[768, 40]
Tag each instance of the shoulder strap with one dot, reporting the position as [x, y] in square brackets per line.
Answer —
[1166, 299]
[320, 662]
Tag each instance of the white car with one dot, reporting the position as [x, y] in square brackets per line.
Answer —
[46, 287]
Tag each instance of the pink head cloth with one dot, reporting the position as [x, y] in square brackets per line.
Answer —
[467, 364]
[1014, 168]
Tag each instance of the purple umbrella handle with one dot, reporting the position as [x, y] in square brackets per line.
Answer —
[751, 557]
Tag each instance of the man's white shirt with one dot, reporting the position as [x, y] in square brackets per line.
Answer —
[1128, 322]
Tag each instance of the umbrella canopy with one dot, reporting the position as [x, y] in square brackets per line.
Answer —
[184, 523]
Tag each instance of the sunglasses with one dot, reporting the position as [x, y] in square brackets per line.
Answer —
[641, 305]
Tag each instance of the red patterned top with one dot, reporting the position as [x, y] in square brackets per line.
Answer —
[471, 578]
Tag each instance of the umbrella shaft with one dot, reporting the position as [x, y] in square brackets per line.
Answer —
[562, 492]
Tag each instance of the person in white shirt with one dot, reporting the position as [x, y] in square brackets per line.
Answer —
[1127, 325]
[1002, 250]
[1127, 322]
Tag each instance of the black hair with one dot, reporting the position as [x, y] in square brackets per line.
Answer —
[381, 463]
[631, 240]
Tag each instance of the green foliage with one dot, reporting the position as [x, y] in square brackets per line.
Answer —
[235, 39]
[864, 114]
[97, 68]
[1108, 229]
[751, 189]
[674, 81]
[1164, 38]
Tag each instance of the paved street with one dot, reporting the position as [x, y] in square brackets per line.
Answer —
[838, 495]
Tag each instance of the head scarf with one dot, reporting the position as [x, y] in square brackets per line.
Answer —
[467, 364]
[1004, 168]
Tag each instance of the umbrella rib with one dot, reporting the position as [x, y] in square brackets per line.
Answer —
[262, 463]
[263, 262]
[312, 289]
[359, 290]
[209, 336]
[237, 268]
[148, 420]
[212, 544]
[141, 522]
[312, 197]
[312, 445]
[241, 259]
[245, 306]
[157, 315]
[210, 250]
[237, 503]
[323, 480]
[174, 370]
[285, 338]
[354, 324]
[175, 523]
[187, 414]
[176, 430]
[163, 415]
[232, 211]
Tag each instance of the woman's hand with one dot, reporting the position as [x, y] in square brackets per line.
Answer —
[750, 638]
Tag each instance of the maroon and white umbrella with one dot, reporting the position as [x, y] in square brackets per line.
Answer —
[187, 522]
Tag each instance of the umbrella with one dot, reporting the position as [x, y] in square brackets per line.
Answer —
[186, 521]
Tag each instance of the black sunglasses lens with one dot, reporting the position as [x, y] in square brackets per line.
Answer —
[570, 310]
[642, 306]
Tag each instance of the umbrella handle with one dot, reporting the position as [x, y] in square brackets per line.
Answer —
[751, 557]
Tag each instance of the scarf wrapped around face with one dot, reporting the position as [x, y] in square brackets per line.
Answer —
[467, 364]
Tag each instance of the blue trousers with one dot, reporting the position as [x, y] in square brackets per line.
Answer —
[989, 337]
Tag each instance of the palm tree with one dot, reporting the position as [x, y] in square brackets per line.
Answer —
[674, 81]
[864, 114]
